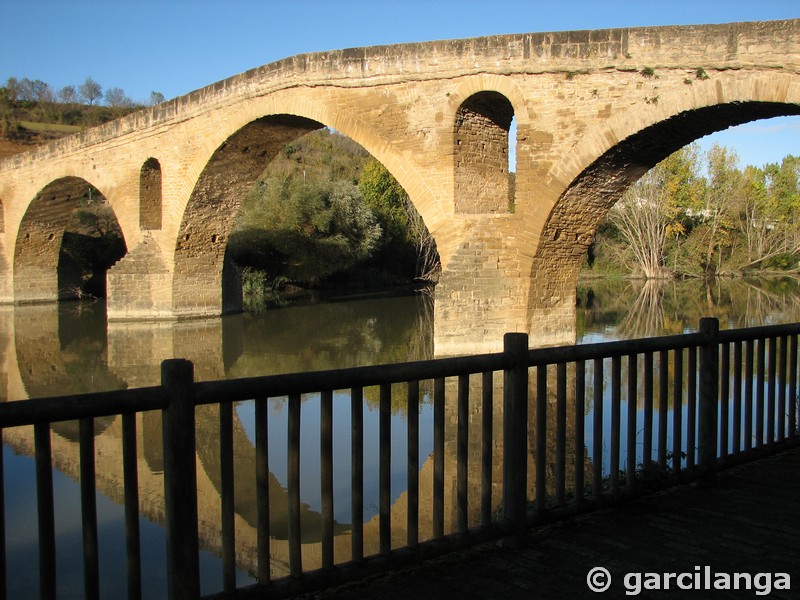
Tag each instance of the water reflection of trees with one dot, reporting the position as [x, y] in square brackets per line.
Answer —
[637, 308]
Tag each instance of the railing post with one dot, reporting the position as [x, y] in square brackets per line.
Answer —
[180, 480]
[515, 436]
[709, 399]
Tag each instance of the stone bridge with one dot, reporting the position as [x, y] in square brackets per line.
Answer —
[594, 111]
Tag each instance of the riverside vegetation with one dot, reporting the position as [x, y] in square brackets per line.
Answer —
[326, 215]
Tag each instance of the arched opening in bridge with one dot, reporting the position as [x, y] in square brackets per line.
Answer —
[68, 239]
[2, 218]
[711, 225]
[481, 154]
[305, 208]
[150, 195]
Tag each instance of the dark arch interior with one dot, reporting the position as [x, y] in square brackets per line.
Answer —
[69, 228]
[150, 195]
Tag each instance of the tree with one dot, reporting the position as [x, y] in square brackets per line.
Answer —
[116, 98]
[68, 94]
[12, 89]
[90, 90]
[642, 218]
[716, 215]
[303, 231]
[652, 212]
[156, 98]
[404, 229]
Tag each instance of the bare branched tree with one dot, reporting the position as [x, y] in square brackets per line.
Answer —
[642, 218]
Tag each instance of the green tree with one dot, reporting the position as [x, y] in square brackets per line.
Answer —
[302, 231]
[712, 215]
[405, 239]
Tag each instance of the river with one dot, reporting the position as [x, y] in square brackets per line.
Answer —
[69, 348]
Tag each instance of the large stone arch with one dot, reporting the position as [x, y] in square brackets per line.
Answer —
[40, 273]
[205, 281]
[630, 144]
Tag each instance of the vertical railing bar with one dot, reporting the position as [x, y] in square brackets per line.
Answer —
[541, 438]
[412, 469]
[227, 496]
[691, 407]
[180, 480]
[487, 441]
[616, 400]
[515, 438]
[647, 437]
[357, 472]
[749, 379]
[580, 409]
[782, 380]
[462, 450]
[326, 476]
[385, 469]
[760, 391]
[561, 434]
[772, 377]
[91, 566]
[130, 477]
[44, 493]
[677, 409]
[438, 458]
[708, 400]
[663, 407]
[724, 399]
[633, 384]
[293, 491]
[263, 575]
[597, 429]
[793, 395]
[736, 444]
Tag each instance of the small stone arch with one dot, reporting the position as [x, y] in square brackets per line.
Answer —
[480, 154]
[150, 200]
[42, 271]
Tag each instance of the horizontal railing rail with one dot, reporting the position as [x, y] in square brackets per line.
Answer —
[516, 438]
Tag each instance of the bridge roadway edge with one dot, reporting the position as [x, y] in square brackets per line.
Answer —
[746, 523]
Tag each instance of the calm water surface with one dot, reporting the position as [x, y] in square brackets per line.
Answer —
[66, 349]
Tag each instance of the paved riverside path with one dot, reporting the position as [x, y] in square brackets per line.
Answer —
[748, 522]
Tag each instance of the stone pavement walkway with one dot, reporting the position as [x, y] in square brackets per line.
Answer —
[748, 523]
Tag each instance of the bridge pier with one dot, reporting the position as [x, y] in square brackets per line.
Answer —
[139, 286]
[487, 290]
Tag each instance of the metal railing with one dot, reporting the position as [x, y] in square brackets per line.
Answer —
[568, 430]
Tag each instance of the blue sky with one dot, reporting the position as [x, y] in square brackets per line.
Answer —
[176, 46]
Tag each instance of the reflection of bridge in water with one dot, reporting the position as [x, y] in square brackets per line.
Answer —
[48, 349]
[693, 404]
